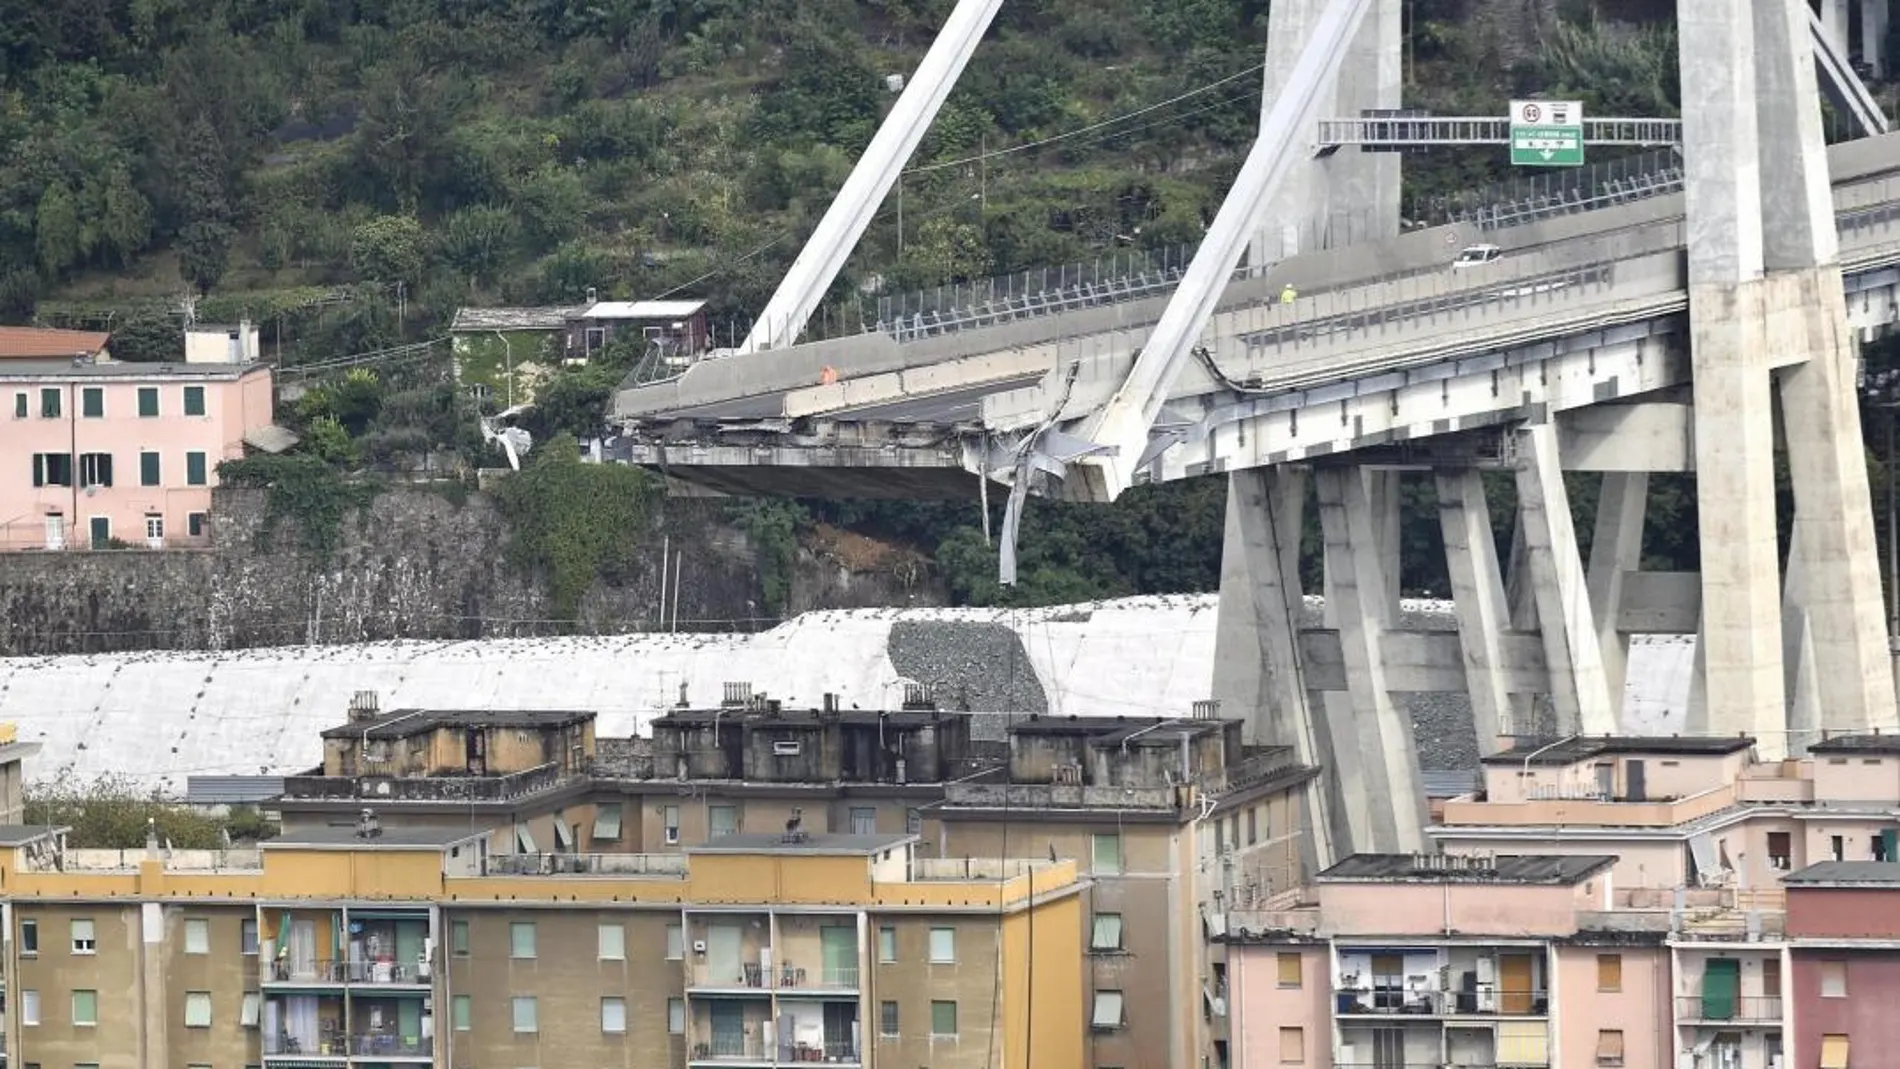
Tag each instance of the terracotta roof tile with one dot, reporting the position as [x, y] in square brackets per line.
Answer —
[40, 343]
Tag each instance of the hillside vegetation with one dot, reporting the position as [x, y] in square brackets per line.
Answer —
[350, 172]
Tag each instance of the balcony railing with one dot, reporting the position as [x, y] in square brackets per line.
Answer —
[1765, 1009]
[425, 788]
[385, 972]
[1488, 1001]
[729, 1048]
[831, 976]
[321, 971]
[390, 1046]
[751, 974]
[283, 1044]
[833, 1051]
[545, 864]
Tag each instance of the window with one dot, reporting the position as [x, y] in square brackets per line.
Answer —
[194, 400]
[247, 937]
[1838, 844]
[1833, 979]
[527, 1014]
[194, 468]
[1220, 837]
[607, 820]
[887, 1019]
[1106, 933]
[913, 822]
[1108, 1010]
[1609, 972]
[19, 405]
[197, 1009]
[29, 938]
[1292, 1046]
[148, 469]
[148, 401]
[675, 943]
[943, 1018]
[195, 527]
[49, 404]
[461, 1016]
[722, 820]
[670, 822]
[29, 1007]
[95, 469]
[1771, 977]
[1253, 824]
[86, 1007]
[250, 1009]
[1779, 851]
[154, 527]
[521, 939]
[613, 943]
[1834, 1051]
[676, 1016]
[1106, 854]
[52, 469]
[1290, 965]
[83, 941]
[1609, 1046]
[197, 935]
[863, 820]
[92, 402]
[887, 944]
[943, 946]
[613, 1015]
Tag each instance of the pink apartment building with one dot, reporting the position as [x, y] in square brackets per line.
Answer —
[1446, 962]
[93, 450]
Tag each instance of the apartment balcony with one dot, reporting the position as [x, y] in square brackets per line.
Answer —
[289, 1051]
[830, 1052]
[1589, 810]
[741, 978]
[387, 973]
[829, 980]
[389, 1046]
[320, 972]
[731, 1050]
[1485, 1001]
[1729, 1010]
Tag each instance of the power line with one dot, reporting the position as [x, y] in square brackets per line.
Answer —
[1052, 139]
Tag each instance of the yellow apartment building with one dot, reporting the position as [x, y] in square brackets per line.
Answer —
[391, 947]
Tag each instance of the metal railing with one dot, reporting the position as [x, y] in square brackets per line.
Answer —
[391, 1046]
[426, 788]
[1739, 1009]
[716, 1048]
[1485, 1001]
[830, 976]
[831, 1050]
[321, 971]
[331, 1044]
[562, 864]
[385, 972]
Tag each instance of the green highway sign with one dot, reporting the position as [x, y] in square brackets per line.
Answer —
[1546, 133]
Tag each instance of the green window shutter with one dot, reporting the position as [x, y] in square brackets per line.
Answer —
[148, 401]
[148, 469]
[194, 469]
[194, 400]
[49, 404]
[92, 402]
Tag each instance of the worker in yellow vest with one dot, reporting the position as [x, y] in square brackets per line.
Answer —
[1287, 296]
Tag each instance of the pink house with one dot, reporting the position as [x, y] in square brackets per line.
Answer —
[93, 450]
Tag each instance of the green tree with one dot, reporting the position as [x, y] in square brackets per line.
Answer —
[148, 339]
[204, 242]
[56, 230]
[576, 523]
[388, 248]
[126, 224]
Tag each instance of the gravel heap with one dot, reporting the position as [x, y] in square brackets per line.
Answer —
[981, 667]
[974, 667]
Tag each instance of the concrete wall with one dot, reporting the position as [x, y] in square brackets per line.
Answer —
[1393, 909]
[1259, 1006]
[416, 566]
[1639, 1005]
[1865, 1015]
[1842, 913]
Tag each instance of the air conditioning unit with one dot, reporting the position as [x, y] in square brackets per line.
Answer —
[785, 749]
[699, 946]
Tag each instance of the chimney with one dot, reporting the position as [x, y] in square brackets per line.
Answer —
[364, 706]
[831, 702]
[1207, 709]
[683, 702]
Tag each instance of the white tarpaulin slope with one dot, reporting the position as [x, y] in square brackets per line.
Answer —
[160, 716]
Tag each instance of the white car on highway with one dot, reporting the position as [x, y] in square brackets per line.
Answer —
[1476, 256]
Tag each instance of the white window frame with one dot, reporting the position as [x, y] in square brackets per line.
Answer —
[1110, 1010]
[251, 1009]
[30, 1007]
[77, 1022]
[675, 943]
[613, 1015]
[670, 824]
[197, 935]
[942, 953]
[461, 1014]
[197, 1009]
[533, 1015]
[88, 942]
[515, 930]
[1105, 934]
[886, 944]
[612, 940]
[676, 1016]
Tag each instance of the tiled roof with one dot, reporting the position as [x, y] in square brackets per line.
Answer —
[31, 342]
